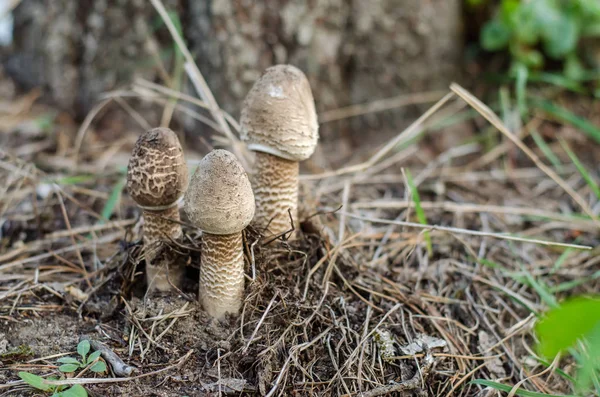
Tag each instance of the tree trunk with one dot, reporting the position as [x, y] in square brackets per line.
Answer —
[353, 51]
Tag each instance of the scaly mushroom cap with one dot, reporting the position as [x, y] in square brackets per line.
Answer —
[157, 174]
[279, 115]
[220, 199]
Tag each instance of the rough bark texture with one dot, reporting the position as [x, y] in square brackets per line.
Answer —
[351, 50]
[78, 49]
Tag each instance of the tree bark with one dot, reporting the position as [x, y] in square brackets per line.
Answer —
[352, 51]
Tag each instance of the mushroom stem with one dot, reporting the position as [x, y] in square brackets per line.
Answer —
[222, 273]
[164, 268]
[276, 194]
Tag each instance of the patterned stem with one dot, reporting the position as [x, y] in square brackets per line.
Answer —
[275, 193]
[163, 267]
[222, 274]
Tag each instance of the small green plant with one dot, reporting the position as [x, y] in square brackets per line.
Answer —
[57, 390]
[70, 364]
[575, 322]
[572, 326]
[534, 29]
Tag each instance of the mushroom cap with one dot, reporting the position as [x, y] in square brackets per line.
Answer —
[157, 174]
[279, 115]
[220, 199]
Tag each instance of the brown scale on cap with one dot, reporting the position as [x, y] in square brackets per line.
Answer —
[279, 123]
[220, 202]
[157, 178]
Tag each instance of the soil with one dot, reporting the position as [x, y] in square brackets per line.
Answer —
[360, 305]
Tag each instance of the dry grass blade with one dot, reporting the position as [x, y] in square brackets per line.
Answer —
[468, 207]
[413, 130]
[490, 116]
[200, 84]
[456, 230]
[379, 106]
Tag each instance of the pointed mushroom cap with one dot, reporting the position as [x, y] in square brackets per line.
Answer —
[157, 174]
[279, 115]
[220, 199]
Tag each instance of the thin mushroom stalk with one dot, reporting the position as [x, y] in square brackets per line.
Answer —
[157, 178]
[220, 202]
[279, 123]
[222, 273]
[164, 269]
[276, 193]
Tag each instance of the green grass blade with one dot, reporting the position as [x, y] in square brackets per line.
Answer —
[112, 201]
[419, 210]
[541, 143]
[521, 90]
[561, 259]
[581, 168]
[566, 286]
[566, 116]
[71, 180]
[556, 369]
[541, 290]
[506, 388]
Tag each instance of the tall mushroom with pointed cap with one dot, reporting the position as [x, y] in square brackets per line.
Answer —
[221, 204]
[279, 123]
[157, 177]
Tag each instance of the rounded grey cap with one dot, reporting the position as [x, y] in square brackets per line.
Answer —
[219, 199]
[279, 115]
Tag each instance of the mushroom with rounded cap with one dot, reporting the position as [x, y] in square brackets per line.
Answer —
[220, 202]
[279, 123]
[157, 178]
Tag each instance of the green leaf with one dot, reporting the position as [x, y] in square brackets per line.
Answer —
[68, 360]
[526, 24]
[509, 8]
[66, 368]
[83, 348]
[93, 357]
[75, 391]
[35, 381]
[100, 366]
[506, 388]
[495, 36]
[561, 37]
[563, 326]
[573, 68]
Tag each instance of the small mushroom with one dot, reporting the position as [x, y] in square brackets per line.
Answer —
[221, 204]
[279, 123]
[157, 178]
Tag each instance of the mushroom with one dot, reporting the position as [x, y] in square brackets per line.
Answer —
[221, 204]
[279, 123]
[157, 178]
